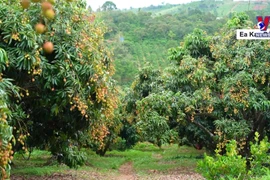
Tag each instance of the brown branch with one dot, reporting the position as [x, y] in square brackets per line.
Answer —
[203, 128]
[210, 115]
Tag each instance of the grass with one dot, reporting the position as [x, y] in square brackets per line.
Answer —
[144, 156]
[224, 8]
[36, 165]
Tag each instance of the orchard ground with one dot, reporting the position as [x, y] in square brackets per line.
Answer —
[144, 161]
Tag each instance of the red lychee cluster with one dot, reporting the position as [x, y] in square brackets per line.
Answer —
[48, 12]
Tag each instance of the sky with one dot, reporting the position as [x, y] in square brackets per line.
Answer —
[126, 4]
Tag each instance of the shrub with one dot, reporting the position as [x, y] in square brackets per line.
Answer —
[232, 165]
[229, 166]
[259, 158]
[72, 157]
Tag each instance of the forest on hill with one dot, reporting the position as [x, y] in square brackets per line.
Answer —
[219, 8]
[143, 36]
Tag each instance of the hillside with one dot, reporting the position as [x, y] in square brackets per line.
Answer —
[144, 35]
[219, 8]
[141, 38]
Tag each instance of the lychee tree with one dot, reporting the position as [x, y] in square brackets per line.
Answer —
[147, 109]
[6, 135]
[216, 89]
[56, 56]
[222, 92]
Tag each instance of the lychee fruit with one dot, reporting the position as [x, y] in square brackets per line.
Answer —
[46, 6]
[40, 28]
[49, 14]
[25, 4]
[48, 47]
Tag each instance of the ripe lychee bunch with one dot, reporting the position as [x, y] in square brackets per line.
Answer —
[48, 13]
[47, 10]
[46, 7]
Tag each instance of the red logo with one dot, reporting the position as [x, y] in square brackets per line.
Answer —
[263, 23]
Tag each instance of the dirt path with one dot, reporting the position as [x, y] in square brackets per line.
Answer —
[127, 172]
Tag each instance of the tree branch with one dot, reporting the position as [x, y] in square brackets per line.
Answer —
[203, 128]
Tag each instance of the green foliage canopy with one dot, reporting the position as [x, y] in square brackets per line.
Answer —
[65, 94]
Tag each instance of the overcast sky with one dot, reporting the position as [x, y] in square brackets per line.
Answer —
[126, 4]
